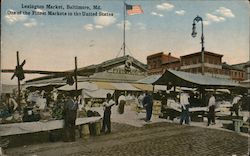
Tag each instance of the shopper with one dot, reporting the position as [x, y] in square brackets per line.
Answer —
[184, 101]
[211, 110]
[121, 103]
[107, 105]
[69, 113]
[236, 105]
[148, 105]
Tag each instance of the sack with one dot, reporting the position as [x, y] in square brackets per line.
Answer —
[45, 115]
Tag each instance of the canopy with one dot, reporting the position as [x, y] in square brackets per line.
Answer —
[144, 87]
[149, 79]
[80, 85]
[124, 86]
[184, 79]
[105, 85]
[100, 93]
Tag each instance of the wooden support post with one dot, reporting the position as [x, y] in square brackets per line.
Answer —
[18, 82]
[76, 74]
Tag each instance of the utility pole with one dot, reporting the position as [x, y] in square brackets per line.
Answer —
[19, 73]
[18, 81]
[76, 74]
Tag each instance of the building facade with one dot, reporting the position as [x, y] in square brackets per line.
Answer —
[235, 73]
[193, 63]
[245, 67]
[159, 62]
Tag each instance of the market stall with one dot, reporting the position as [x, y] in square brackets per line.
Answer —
[197, 83]
[39, 126]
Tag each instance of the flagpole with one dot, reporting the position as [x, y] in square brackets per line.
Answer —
[124, 16]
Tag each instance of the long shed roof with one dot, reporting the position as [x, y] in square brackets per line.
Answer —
[184, 79]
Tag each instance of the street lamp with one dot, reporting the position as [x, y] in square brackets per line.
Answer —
[194, 33]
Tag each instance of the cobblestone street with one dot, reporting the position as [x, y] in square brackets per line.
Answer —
[152, 140]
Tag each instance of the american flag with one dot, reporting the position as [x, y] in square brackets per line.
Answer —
[134, 9]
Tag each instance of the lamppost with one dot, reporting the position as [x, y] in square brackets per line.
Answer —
[194, 33]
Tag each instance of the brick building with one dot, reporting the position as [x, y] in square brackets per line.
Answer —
[159, 62]
[244, 66]
[213, 66]
[234, 72]
[193, 63]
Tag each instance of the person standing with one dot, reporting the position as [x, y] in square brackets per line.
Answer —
[211, 111]
[236, 105]
[184, 101]
[69, 113]
[140, 99]
[121, 102]
[148, 104]
[11, 104]
[106, 123]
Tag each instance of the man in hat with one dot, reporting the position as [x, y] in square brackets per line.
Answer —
[211, 110]
[184, 101]
[236, 105]
[107, 113]
[69, 113]
[148, 104]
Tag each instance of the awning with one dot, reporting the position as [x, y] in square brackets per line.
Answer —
[105, 85]
[160, 87]
[100, 93]
[149, 79]
[80, 85]
[42, 85]
[184, 79]
[124, 86]
[144, 87]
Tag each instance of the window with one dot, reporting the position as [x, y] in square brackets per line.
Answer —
[194, 61]
[199, 60]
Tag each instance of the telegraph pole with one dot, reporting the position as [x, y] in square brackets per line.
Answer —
[18, 81]
[76, 74]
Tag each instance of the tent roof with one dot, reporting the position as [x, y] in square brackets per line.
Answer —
[100, 93]
[149, 79]
[124, 86]
[144, 87]
[104, 66]
[81, 85]
[184, 79]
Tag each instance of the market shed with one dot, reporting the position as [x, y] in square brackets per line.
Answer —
[184, 79]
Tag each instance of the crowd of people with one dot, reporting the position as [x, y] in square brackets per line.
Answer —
[65, 105]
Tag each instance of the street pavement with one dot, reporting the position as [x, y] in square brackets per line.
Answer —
[153, 139]
[132, 136]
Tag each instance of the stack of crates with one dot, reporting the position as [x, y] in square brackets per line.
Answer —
[156, 107]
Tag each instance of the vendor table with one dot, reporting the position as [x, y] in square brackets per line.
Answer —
[32, 127]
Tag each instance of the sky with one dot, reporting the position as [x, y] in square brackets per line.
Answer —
[49, 42]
